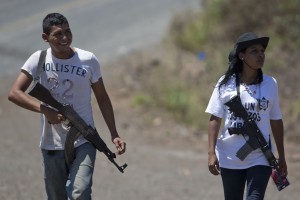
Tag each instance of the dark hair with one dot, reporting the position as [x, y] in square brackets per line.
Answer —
[235, 67]
[53, 19]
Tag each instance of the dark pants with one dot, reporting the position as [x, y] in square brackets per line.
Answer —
[234, 181]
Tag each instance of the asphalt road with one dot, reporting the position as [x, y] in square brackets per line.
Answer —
[106, 27]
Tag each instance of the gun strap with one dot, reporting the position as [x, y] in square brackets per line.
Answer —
[237, 84]
[40, 65]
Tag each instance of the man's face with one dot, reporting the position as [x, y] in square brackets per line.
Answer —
[59, 38]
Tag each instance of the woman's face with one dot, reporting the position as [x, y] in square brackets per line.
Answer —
[253, 57]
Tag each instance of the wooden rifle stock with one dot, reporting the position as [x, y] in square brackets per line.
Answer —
[41, 93]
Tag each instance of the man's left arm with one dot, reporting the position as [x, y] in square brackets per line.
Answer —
[106, 108]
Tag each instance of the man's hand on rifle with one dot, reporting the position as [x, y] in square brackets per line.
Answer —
[120, 145]
[52, 116]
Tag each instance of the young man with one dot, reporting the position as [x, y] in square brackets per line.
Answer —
[70, 74]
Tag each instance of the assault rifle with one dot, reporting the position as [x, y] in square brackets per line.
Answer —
[256, 140]
[77, 127]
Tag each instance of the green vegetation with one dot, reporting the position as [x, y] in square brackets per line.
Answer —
[182, 84]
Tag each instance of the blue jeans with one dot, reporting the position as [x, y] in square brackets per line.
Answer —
[234, 180]
[75, 184]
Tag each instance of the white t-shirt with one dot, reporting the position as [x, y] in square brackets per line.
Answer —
[69, 81]
[228, 145]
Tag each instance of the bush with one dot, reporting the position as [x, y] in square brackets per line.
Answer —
[221, 20]
[213, 31]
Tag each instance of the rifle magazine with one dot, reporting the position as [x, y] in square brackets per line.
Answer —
[72, 136]
[244, 151]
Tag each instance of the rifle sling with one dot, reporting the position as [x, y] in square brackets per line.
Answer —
[40, 65]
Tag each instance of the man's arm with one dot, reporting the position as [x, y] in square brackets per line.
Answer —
[18, 96]
[106, 108]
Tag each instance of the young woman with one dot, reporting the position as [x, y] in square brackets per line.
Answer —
[259, 96]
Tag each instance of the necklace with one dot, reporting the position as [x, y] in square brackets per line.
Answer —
[252, 93]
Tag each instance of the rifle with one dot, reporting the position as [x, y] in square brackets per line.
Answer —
[77, 127]
[256, 140]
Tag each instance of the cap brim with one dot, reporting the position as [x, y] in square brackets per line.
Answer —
[263, 41]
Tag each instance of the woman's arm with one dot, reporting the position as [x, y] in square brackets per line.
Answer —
[213, 130]
[278, 134]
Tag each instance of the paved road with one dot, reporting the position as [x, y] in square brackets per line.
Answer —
[106, 27]
[163, 165]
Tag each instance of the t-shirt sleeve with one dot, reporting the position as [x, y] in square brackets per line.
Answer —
[31, 64]
[275, 112]
[96, 71]
[215, 106]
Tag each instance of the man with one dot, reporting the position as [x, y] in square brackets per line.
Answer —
[70, 74]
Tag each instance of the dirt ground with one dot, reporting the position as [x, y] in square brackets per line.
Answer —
[165, 160]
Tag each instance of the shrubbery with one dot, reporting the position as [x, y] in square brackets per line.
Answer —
[182, 84]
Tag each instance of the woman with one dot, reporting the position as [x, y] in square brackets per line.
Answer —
[259, 96]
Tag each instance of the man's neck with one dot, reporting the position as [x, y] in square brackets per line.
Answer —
[65, 54]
